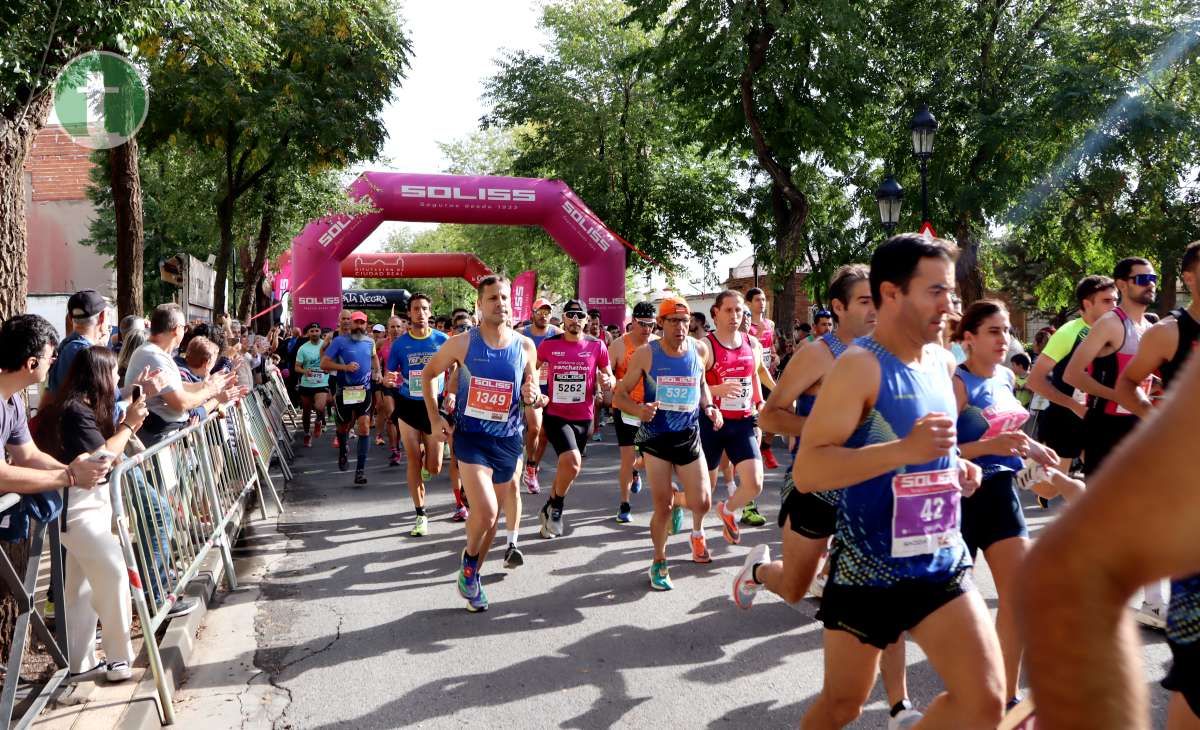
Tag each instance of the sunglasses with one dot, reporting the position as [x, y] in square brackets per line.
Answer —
[1144, 279]
[645, 322]
[574, 315]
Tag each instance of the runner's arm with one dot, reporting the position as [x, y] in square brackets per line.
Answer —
[1106, 330]
[453, 351]
[1039, 382]
[1134, 524]
[1154, 349]
[823, 463]
[803, 371]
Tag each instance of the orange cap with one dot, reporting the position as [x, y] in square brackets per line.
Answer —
[539, 303]
[358, 317]
[673, 305]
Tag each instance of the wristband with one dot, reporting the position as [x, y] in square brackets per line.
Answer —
[70, 477]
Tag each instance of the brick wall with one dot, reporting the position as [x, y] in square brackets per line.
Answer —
[57, 166]
[803, 305]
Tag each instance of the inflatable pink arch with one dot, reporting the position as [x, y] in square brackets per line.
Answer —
[320, 249]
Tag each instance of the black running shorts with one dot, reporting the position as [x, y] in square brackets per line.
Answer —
[626, 434]
[993, 513]
[677, 447]
[566, 435]
[736, 437]
[352, 412]
[809, 515]
[1184, 675]
[413, 413]
[1061, 430]
[1102, 433]
[879, 615]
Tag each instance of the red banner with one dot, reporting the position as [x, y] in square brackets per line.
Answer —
[524, 289]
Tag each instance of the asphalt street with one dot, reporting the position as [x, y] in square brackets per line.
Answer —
[356, 624]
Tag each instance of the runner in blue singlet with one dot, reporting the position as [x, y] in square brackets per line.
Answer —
[882, 431]
[496, 375]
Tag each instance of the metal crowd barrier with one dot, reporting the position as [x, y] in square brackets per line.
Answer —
[32, 696]
[290, 413]
[178, 500]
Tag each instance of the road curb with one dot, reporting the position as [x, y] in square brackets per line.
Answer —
[176, 649]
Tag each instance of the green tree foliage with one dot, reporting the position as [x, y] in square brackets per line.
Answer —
[591, 116]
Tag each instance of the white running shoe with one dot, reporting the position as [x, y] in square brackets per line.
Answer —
[1152, 616]
[904, 719]
[744, 587]
[117, 671]
[817, 589]
[1032, 474]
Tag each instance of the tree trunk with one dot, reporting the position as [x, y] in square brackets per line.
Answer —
[966, 271]
[126, 182]
[1168, 283]
[254, 268]
[15, 140]
[225, 222]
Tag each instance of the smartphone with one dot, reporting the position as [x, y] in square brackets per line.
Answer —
[135, 394]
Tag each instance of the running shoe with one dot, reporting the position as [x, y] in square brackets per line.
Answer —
[733, 534]
[903, 716]
[513, 557]
[1032, 474]
[337, 442]
[1152, 616]
[676, 520]
[530, 480]
[751, 517]
[623, 515]
[700, 550]
[817, 588]
[468, 578]
[379, 441]
[307, 441]
[556, 522]
[446, 451]
[117, 671]
[343, 462]
[421, 528]
[636, 486]
[769, 459]
[744, 587]
[660, 579]
[394, 460]
[597, 436]
[1043, 502]
[360, 478]
[460, 514]
[478, 603]
[425, 475]
[544, 518]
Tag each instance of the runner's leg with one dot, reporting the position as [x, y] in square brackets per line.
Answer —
[658, 474]
[1180, 715]
[790, 577]
[485, 510]
[1004, 560]
[850, 668]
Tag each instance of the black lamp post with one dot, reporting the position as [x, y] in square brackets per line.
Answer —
[889, 196]
[923, 127]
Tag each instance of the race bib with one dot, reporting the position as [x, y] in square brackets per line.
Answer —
[766, 357]
[1003, 419]
[569, 388]
[543, 375]
[489, 400]
[925, 512]
[679, 393]
[740, 402]
[313, 376]
[354, 394]
[414, 382]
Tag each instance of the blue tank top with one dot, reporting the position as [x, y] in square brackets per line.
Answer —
[992, 408]
[537, 339]
[1183, 612]
[489, 388]
[408, 357]
[804, 406]
[902, 525]
[675, 383]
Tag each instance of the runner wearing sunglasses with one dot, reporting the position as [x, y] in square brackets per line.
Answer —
[620, 351]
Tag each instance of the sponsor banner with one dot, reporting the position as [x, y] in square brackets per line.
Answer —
[523, 290]
[375, 298]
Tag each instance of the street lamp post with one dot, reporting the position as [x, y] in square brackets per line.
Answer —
[888, 196]
[923, 127]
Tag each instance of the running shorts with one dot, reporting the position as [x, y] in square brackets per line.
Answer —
[1102, 433]
[1184, 675]
[736, 437]
[498, 453]
[626, 434]
[993, 513]
[1062, 430]
[350, 413]
[879, 615]
[809, 515]
[565, 435]
[676, 447]
[311, 390]
[413, 413]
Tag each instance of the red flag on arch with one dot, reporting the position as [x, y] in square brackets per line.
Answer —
[523, 290]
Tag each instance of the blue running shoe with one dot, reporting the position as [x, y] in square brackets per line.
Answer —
[637, 483]
[479, 602]
[676, 520]
[468, 578]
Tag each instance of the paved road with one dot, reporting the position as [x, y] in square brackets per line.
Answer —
[355, 622]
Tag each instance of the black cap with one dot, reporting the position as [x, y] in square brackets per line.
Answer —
[86, 303]
[643, 310]
[573, 305]
[311, 325]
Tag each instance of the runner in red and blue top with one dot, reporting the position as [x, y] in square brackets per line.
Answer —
[734, 372]
[574, 364]
[671, 371]
[407, 358]
[1165, 348]
[538, 329]
[496, 376]
[882, 431]
[763, 330]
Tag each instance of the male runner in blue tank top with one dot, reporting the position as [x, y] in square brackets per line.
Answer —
[538, 329]
[882, 430]
[808, 520]
[352, 357]
[496, 377]
[671, 371]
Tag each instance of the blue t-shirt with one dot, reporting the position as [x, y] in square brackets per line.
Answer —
[67, 350]
[408, 357]
[905, 524]
[344, 350]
